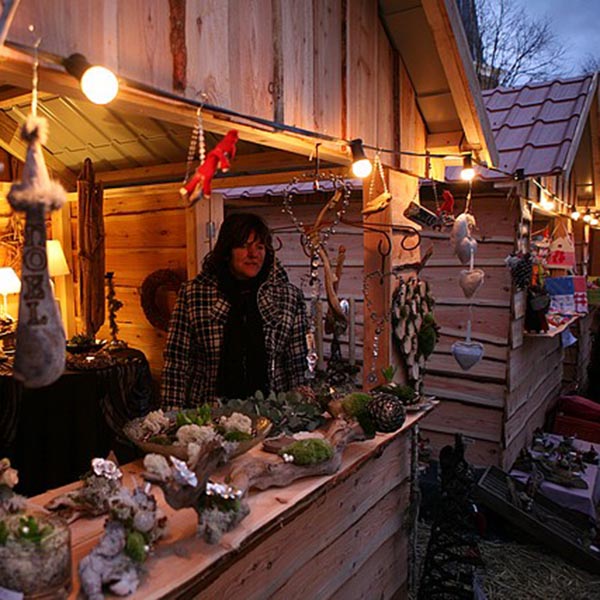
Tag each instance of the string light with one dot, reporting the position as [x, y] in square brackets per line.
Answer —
[468, 172]
[575, 214]
[361, 165]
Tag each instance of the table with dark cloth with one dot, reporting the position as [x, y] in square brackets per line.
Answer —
[52, 433]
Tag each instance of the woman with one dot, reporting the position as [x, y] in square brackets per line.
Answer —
[239, 326]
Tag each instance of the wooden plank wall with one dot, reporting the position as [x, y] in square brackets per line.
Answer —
[326, 66]
[145, 231]
[351, 542]
[473, 402]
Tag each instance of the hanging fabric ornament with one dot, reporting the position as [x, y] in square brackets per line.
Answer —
[461, 237]
[380, 202]
[40, 345]
[472, 279]
[467, 354]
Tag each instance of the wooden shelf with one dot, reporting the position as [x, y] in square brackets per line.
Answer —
[553, 331]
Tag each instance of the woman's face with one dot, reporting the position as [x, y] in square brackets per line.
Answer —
[247, 260]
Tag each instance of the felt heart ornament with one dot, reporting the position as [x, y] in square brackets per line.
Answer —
[465, 249]
[467, 354]
[470, 281]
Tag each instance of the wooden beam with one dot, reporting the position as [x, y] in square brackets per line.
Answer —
[451, 42]
[595, 143]
[445, 143]
[9, 7]
[11, 141]
[15, 69]
[246, 164]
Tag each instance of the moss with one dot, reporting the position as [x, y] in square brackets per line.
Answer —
[311, 451]
[405, 393]
[237, 436]
[135, 547]
[355, 403]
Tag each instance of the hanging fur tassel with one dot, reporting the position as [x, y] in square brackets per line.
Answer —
[40, 346]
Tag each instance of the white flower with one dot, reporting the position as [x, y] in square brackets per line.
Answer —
[155, 422]
[157, 465]
[194, 434]
[236, 422]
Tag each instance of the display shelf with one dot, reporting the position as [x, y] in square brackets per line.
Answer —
[553, 331]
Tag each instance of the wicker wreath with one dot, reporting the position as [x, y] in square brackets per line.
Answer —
[167, 279]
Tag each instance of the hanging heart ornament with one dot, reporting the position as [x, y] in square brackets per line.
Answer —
[470, 280]
[467, 354]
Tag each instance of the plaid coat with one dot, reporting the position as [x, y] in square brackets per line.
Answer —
[196, 332]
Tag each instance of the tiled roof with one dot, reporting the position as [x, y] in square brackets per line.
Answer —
[537, 127]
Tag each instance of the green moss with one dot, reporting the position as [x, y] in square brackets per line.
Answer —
[405, 393]
[311, 451]
[135, 547]
[355, 403]
[237, 436]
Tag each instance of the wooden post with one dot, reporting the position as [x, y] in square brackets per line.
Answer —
[90, 195]
[377, 305]
[203, 221]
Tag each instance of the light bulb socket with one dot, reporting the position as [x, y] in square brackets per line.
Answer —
[76, 65]
[357, 150]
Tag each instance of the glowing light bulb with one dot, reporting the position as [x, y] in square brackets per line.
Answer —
[587, 217]
[594, 221]
[362, 168]
[468, 172]
[575, 215]
[99, 84]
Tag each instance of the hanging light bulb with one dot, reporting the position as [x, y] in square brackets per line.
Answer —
[99, 84]
[575, 214]
[547, 201]
[594, 221]
[588, 216]
[468, 172]
[361, 165]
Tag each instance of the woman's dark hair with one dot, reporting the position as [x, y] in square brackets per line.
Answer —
[235, 231]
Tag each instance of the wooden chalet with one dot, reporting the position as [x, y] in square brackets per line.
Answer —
[286, 75]
[550, 132]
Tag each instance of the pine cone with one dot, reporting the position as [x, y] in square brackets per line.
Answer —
[387, 412]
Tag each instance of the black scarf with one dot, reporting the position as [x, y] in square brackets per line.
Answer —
[243, 362]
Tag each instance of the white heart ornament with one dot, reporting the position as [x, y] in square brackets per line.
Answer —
[470, 281]
[464, 248]
[467, 354]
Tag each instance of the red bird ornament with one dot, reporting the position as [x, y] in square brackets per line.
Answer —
[219, 158]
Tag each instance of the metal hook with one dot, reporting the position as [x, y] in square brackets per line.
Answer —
[279, 244]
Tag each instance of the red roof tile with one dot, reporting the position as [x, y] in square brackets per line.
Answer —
[536, 125]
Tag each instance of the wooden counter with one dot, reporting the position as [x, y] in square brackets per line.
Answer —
[337, 536]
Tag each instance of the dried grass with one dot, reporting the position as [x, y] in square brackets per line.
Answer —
[515, 571]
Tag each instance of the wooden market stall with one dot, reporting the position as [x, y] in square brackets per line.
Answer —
[287, 76]
[549, 130]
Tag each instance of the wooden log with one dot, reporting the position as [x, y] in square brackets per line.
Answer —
[91, 249]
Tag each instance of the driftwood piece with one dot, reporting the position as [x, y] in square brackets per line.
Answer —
[40, 346]
[331, 317]
[332, 298]
[90, 198]
[261, 473]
